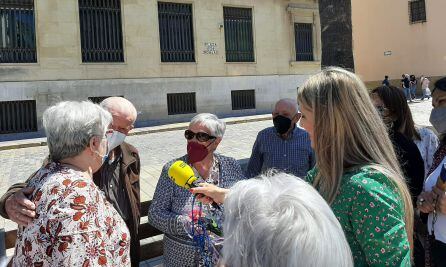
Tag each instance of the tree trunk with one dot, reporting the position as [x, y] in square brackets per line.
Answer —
[336, 33]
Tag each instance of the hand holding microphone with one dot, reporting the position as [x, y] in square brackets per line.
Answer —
[183, 176]
[213, 192]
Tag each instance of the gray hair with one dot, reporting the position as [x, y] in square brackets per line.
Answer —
[280, 220]
[215, 125]
[70, 125]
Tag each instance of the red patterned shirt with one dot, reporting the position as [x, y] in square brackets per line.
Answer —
[74, 224]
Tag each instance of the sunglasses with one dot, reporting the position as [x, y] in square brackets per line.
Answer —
[202, 137]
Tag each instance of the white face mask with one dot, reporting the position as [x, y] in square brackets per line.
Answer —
[105, 156]
[115, 139]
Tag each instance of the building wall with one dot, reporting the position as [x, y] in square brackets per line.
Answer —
[144, 79]
[382, 25]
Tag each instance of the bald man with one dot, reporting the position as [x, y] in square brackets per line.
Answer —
[118, 177]
[283, 147]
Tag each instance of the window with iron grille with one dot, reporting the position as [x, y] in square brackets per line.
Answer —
[303, 39]
[417, 11]
[101, 31]
[99, 99]
[238, 34]
[17, 32]
[18, 116]
[176, 32]
[181, 103]
[243, 99]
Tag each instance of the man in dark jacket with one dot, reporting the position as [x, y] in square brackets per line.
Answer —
[118, 177]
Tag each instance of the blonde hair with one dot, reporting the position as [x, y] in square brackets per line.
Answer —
[349, 134]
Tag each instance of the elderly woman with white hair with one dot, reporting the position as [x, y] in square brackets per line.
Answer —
[280, 220]
[169, 209]
[74, 224]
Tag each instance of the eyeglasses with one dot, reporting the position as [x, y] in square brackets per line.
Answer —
[123, 129]
[202, 137]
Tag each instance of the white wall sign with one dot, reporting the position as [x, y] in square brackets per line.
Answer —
[210, 48]
[387, 53]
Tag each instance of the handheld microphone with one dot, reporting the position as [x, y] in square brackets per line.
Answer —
[183, 176]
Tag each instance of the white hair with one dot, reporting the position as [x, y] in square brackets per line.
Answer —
[120, 105]
[291, 103]
[215, 125]
[70, 125]
[280, 220]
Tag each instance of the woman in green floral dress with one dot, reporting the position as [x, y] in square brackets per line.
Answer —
[357, 171]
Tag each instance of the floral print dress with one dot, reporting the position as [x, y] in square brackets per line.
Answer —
[371, 213]
[74, 224]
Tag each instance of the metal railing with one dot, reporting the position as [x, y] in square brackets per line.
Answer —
[176, 32]
[238, 34]
[303, 38]
[18, 116]
[101, 31]
[99, 99]
[181, 103]
[417, 11]
[17, 31]
[243, 99]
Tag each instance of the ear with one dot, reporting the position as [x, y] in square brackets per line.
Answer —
[95, 143]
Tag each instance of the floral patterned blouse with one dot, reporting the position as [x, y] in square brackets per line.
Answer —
[371, 214]
[74, 224]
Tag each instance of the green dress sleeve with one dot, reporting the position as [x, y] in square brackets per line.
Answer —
[377, 219]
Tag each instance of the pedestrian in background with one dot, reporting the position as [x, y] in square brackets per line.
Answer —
[405, 84]
[425, 87]
[413, 86]
[386, 81]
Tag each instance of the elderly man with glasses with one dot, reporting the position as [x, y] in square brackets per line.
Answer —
[118, 177]
[172, 206]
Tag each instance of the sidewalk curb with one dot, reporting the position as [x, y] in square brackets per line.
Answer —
[141, 131]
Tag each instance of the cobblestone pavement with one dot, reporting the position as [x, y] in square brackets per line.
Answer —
[155, 150]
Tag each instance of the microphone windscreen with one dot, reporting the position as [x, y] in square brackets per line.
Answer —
[182, 174]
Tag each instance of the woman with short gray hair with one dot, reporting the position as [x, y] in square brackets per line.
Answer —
[74, 224]
[171, 206]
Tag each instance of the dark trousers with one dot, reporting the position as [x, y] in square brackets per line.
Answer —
[418, 253]
[134, 245]
[439, 254]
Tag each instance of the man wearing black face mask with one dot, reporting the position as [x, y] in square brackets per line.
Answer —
[283, 147]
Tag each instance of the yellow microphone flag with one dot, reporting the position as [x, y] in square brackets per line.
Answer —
[182, 174]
